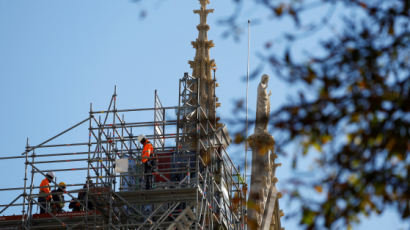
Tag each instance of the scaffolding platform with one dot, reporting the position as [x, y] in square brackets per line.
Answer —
[47, 221]
[195, 184]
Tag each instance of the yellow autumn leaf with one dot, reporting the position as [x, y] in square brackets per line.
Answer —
[355, 163]
[349, 137]
[400, 157]
[318, 188]
[362, 85]
[317, 146]
[352, 179]
[390, 144]
[326, 138]
[355, 117]
[379, 139]
[363, 5]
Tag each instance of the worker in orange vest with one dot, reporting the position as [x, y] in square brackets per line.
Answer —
[44, 197]
[147, 160]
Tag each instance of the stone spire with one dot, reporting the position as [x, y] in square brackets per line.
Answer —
[202, 64]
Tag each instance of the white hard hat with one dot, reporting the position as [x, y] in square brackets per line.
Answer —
[140, 137]
[50, 174]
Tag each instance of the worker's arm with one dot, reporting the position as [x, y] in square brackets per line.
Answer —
[47, 191]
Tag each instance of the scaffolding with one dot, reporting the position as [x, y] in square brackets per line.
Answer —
[195, 183]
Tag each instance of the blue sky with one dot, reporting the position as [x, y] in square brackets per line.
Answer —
[58, 56]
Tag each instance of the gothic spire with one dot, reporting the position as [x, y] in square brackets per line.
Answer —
[202, 64]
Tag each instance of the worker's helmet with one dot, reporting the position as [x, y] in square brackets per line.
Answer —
[50, 175]
[62, 185]
[141, 137]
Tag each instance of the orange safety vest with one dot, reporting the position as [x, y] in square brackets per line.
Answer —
[45, 188]
[147, 150]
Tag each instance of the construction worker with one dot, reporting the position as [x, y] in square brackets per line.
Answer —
[58, 198]
[75, 205]
[84, 196]
[44, 196]
[146, 159]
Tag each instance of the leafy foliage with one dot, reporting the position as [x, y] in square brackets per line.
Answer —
[352, 109]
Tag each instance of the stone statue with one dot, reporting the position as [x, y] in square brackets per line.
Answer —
[262, 106]
[262, 210]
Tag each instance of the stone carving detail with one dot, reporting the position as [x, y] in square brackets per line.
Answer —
[262, 106]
